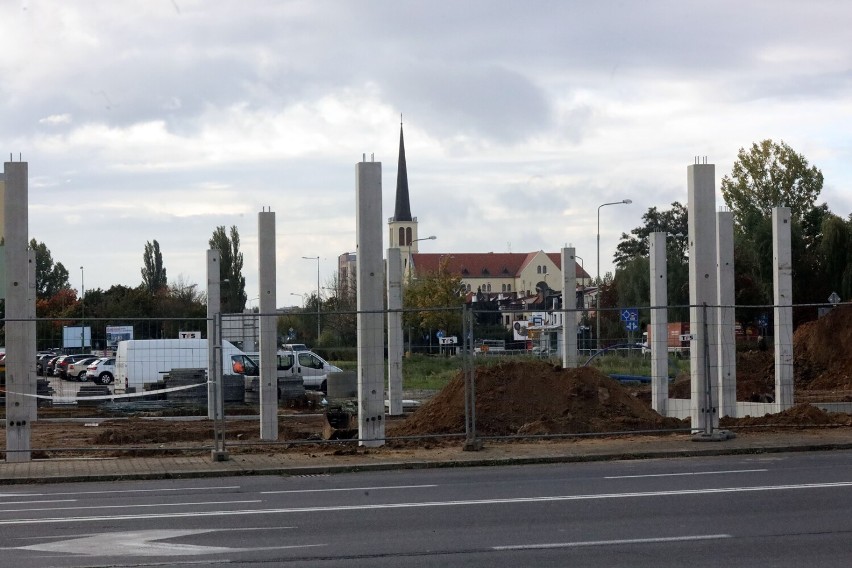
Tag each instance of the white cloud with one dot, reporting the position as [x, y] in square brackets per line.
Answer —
[145, 122]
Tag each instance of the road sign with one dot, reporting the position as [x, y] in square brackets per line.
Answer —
[440, 334]
[452, 340]
[631, 325]
[834, 299]
[630, 314]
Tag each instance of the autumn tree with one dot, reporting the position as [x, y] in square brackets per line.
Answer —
[433, 301]
[233, 284]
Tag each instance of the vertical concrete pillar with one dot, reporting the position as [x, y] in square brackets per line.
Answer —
[32, 403]
[20, 370]
[727, 351]
[370, 323]
[395, 341]
[702, 296]
[782, 268]
[214, 359]
[268, 326]
[569, 304]
[658, 328]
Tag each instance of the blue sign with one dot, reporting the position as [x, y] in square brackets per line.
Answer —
[440, 334]
[631, 325]
[630, 314]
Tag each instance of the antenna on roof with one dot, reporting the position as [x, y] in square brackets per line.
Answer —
[400, 119]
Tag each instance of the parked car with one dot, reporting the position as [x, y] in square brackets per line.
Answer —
[76, 370]
[61, 369]
[50, 366]
[42, 360]
[101, 370]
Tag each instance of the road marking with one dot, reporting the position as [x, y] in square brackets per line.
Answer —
[339, 508]
[348, 489]
[126, 506]
[3, 503]
[119, 491]
[686, 473]
[140, 543]
[613, 542]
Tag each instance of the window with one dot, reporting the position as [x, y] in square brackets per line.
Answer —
[310, 361]
[285, 362]
[488, 287]
[538, 269]
[402, 236]
[544, 269]
[508, 287]
[408, 240]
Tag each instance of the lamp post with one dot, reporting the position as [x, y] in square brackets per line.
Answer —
[429, 238]
[598, 293]
[317, 258]
[82, 310]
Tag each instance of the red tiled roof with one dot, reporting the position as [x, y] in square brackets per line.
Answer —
[480, 265]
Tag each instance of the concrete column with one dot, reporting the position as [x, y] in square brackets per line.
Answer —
[395, 341]
[268, 326]
[658, 328]
[370, 323]
[782, 268]
[32, 403]
[702, 295]
[569, 304]
[20, 371]
[214, 360]
[727, 351]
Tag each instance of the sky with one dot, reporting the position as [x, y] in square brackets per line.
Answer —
[161, 120]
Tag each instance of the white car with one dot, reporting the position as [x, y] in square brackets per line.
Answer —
[311, 367]
[76, 371]
[101, 370]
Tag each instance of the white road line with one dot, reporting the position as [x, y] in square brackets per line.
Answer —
[425, 504]
[686, 473]
[613, 542]
[120, 491]
[125, 506]
[348, 489]
[4, 503]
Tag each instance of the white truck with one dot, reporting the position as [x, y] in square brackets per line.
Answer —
[140, 361]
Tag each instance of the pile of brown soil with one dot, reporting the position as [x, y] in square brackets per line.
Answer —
[822, 351]
[535, 398]
[798, 415]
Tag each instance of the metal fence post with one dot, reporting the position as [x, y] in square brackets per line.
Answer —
[471, 443]
[215, 374]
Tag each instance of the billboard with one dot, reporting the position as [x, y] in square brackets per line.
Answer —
[73, 337]
[116, 333]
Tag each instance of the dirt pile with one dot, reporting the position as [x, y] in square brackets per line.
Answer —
[822, 351]
[799, 415]
[535, 398]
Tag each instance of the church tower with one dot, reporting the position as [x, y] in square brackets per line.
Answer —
[403, 227]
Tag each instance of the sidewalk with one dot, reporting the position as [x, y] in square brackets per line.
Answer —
[337, 459]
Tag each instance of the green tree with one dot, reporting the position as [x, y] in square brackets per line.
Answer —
[153, 271]
[50, 277]
[770, 175]
[234, 296]
[674, 222]
[836, 249]
[433, 301]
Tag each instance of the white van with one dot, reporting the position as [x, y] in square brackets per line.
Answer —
[311, 367]
[140, 361]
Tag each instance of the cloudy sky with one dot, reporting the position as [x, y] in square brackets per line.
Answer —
[163, 119]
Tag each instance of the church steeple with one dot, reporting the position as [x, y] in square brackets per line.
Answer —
[402, 211]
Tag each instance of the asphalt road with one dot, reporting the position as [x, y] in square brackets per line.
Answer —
[775, 510]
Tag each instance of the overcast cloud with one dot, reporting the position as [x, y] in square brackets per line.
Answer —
[163, 119]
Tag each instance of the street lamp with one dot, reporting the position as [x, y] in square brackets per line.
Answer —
[598, 293]
[82, 311]
[317, 258]
[429, 238]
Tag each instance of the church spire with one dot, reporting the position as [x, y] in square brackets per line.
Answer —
[402, 211]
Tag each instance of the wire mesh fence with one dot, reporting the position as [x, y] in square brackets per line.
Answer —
[141, 385]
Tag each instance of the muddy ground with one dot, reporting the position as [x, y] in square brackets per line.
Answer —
[514, 398]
